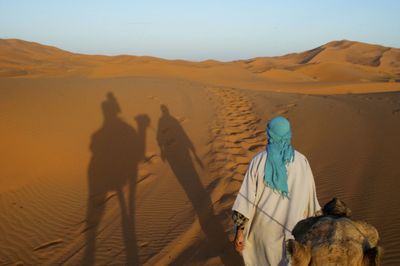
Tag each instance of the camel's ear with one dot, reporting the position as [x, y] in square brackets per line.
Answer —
[300, 255]
[373, 256]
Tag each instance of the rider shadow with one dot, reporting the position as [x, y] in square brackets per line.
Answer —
[117, 148]
[176, 148]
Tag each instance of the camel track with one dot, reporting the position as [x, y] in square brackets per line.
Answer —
[235, 138]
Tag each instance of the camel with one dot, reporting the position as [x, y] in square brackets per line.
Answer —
[332, 238]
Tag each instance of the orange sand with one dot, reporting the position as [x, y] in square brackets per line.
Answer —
[62, 140]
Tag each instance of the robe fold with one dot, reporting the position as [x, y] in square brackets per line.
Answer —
[272, 216]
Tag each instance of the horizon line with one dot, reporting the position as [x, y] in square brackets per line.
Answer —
[188, 60]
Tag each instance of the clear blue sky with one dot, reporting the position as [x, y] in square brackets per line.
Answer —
[197, 30]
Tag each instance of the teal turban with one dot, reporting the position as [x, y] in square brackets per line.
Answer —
[279, 153]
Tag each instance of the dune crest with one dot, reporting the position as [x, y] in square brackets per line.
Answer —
[335, 62]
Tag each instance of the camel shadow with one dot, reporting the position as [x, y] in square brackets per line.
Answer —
[117, 148]
[177, 149]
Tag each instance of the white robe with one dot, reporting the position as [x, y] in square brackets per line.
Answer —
[272, 217]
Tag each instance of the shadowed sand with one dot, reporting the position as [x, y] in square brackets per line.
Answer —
[137, 160]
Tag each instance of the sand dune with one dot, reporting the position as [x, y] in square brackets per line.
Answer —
[339, 61]
[114, 160]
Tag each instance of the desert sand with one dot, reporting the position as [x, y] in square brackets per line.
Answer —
[110, 160]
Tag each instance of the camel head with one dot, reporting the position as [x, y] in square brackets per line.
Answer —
[336, 207]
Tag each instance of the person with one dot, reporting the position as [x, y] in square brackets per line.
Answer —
[278, 190]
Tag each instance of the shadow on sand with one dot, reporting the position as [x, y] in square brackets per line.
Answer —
[117, 148]
[177, 149]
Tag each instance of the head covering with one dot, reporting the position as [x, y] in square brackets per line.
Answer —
[110, 106]
[279, 153]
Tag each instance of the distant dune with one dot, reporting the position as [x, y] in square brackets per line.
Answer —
[116, 160]
[330, 64]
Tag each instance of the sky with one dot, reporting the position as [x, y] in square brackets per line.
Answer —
[199, 30]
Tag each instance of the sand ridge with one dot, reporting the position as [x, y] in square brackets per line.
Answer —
[337, 63]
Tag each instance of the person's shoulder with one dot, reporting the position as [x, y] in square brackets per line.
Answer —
[298, 156]
[257, 160]
[259, 156]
